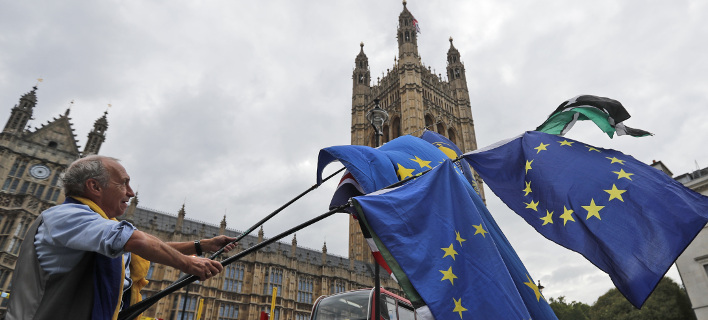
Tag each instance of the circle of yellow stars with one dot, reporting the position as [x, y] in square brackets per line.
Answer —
[593, 210]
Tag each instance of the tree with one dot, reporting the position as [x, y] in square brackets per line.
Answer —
[668, 302]
[569, 311]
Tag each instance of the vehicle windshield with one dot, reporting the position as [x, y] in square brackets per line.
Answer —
[347, 306]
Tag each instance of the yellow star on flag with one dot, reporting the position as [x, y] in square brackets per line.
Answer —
[528, 166]
[621, 174]
[541, 147]
[422, 163]
[535, 289]
[458, 307]
[593, 210]
[480, 229]
[532, 205]
[448, 275]
[567, 215]
[527, 190]
[615, 193]
[548, 218]
[615, 160]
[459, 238]
[566, 143]
[591, 148]
[449, 251]
[404, 172]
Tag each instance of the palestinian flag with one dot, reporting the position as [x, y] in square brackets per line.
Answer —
[606, 113]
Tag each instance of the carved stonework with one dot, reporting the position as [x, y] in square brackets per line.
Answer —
[32, 204]
[5, 200]
[17, 201]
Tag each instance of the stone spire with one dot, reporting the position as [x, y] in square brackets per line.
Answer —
[97, 135]
[180, 220]
[260, 235]
[293, 246]
[324, 254]
[222, 227]
[407, 35]
[22, 113]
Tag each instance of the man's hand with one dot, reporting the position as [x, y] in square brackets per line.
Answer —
[202, 267]
[216, 243]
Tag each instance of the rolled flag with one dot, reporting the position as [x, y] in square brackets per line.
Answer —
[606, 113]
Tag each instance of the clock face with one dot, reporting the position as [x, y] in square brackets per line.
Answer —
[40, 171]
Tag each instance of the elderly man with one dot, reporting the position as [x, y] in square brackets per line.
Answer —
[76, 261]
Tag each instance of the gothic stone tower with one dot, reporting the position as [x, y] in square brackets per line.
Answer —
[415, 99]
[31, 162]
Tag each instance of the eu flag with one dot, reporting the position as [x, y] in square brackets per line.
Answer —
[432, 230]
[374, 169]
[451, 150]
[631, 220]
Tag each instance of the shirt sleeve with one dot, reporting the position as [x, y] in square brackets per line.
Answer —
[76, 227]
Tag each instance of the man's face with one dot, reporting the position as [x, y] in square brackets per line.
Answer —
[115, 197]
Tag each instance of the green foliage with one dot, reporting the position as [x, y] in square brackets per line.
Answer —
[569, 311]
[668, 302]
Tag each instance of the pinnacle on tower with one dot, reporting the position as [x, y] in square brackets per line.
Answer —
[22, 112]
[97, 136]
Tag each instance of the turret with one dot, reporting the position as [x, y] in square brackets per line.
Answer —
[407, 36]
[97, 135]
[455, 68]
[22, 113]
[362, 74]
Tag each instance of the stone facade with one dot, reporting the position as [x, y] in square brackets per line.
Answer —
[244, 289]
[31, 161]
[416, 99]
[692, 264]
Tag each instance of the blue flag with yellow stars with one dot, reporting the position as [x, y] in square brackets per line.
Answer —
[376, 168]
[631, 220]
[431, 229]
[451, 150]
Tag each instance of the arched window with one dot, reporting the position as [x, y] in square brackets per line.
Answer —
[441, 128]
[451, 136]
[429, 123]
[396, 124]
[386, 135]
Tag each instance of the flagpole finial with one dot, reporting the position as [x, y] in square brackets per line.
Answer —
[404, 3]
[38, 81]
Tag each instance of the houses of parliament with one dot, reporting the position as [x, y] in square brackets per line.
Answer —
[32, 160]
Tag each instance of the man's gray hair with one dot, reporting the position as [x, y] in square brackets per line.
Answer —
[91, 167]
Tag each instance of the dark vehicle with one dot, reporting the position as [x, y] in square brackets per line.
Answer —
[358, 305]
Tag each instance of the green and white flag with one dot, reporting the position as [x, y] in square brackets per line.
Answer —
[606, 113]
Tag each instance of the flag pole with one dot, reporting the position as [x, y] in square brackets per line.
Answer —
[259, 223]
[138, 308]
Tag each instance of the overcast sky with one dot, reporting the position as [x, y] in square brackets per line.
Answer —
[224, 105]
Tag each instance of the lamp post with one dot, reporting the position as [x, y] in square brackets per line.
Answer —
[377, 117]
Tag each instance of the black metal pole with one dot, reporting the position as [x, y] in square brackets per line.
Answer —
[268, 217]
[134, 310]
[259, 223]
[184, 302]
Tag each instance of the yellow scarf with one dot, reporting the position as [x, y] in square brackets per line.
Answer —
[138, 265]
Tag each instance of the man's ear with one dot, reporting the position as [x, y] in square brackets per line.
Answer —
[93, 187]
